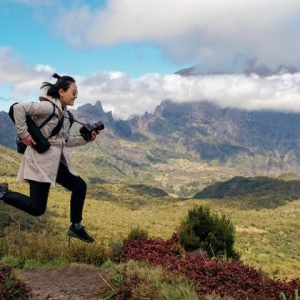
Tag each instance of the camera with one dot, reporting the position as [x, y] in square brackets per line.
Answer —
[87, 129]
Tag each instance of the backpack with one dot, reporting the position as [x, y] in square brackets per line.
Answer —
[42, 143]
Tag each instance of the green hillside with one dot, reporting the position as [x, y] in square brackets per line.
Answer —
[266, 238]
[255, 192]
[265, 212]
[9, 162]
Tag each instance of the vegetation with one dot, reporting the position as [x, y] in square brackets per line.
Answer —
[265, 238]
[258, 192]
[283, 296]
[10, 287]
[203, 231]
[140, 280]
[209, 276]
[263, 221]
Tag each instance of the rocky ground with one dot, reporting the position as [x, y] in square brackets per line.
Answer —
[76, 282]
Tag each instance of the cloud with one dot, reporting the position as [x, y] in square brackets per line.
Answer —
[22, 79]
[126, 96]
[215, 33]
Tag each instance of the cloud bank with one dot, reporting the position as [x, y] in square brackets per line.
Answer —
[217, 34]
[126, 96]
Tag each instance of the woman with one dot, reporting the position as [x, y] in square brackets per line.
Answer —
[41, 170]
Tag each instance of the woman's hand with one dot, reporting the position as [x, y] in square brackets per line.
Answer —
[94, 135]
[29, 141]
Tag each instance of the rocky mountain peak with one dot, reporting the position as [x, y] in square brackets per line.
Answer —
[95, 109]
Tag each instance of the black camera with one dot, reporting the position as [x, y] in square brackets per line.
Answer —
[87, 129]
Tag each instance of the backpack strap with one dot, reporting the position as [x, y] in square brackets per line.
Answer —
[60, 123]
[11, 112]
[57, 128]
[49, 118]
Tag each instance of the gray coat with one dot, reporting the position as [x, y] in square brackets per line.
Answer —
[43, 167]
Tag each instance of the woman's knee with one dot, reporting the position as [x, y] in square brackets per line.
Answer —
[37, 211]
[80, 185]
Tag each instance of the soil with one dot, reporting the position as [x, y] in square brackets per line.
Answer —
[75, 282]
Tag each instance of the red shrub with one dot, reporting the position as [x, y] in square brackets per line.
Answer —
[210, 276]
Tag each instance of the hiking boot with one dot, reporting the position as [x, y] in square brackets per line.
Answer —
[3, 189]
[80, 234]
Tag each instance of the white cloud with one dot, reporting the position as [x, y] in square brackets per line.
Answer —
[22, 79]
[216, 32]
[125, 96]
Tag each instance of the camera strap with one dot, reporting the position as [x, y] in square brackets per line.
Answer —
[60, 124]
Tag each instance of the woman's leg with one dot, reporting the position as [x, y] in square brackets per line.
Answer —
[77, 186]
[34, 205]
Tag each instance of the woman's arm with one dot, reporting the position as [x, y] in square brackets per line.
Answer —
[32, 109]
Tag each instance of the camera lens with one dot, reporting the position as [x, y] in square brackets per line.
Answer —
[99, 125]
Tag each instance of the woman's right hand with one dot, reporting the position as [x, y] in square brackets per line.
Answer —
[28, 141]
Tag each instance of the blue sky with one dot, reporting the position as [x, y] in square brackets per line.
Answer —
[125, 52]
[29, 35]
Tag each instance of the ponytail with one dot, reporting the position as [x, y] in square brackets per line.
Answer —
[55, 75]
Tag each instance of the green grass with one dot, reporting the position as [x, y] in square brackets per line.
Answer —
[266, 239]
[283, 297]
[153, 283]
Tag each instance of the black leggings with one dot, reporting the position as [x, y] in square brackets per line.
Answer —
[36, 204]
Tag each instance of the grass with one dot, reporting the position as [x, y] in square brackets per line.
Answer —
[266, 239]
[151, 283]
[283, 297]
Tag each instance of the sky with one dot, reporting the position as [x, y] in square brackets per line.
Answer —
[126, 53]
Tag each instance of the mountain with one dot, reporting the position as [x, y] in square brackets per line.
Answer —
[219, 133]
[7, 131]
[250, 68]
[183, 147]
[210, 133]
[255, 192]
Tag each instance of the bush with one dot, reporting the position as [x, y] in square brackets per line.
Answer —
[136, 280]
[201, 230]
[136, 233]
[10, 287]
[215, 276]
[117, 245]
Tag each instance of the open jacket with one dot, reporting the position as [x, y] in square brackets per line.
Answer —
[43, 167]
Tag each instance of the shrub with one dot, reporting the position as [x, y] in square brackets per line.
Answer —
[209, 276]
[43, 247]
[115, 247]
[10, 287]
[94, 254]
[136, 280]
[211, 233]
[136, 233]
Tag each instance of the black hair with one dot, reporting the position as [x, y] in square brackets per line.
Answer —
[63, 82]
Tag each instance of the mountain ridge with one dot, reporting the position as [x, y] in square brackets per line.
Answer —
[183, 147]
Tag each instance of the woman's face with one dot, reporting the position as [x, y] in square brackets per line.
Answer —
[69, 96]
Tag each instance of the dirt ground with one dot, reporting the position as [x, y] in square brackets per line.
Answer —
[76, 282]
